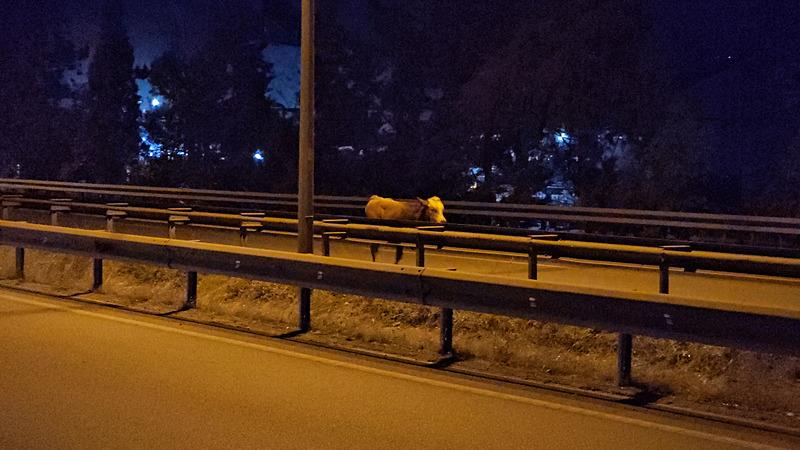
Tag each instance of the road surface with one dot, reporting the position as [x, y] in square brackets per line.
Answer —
[81, 376]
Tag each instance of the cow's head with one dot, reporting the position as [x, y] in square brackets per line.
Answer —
[433, 209]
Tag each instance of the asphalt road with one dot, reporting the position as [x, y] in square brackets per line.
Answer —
[81, 376]
[772, 292]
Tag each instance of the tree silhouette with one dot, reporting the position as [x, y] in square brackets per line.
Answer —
[216, 115]
[112, 131]
[38, 112]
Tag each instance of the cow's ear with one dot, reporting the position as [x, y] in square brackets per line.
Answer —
[434, 199]
[422, 202]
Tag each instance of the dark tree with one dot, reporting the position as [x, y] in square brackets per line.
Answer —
[383, 88]
[348, 114]
[38, 112]
[112, 129]
[216, 116]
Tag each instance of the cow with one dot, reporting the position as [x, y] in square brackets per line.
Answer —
[430, 210]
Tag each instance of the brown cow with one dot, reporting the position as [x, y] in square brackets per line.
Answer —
[430, 210]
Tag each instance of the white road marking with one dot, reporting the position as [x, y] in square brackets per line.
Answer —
[402, 376]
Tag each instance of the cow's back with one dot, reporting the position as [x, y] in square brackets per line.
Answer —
[389, 209]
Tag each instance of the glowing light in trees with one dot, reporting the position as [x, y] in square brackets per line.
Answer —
[258, 156]
[562, 138]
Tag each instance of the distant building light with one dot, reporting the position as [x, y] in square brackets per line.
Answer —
[258, 156]
[563, 138]
[477, 173]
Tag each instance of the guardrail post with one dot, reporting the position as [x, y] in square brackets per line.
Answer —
[176, 220]
[445, 314]
[663, 275]
[681, 248]
[326, 244]
[9, 206]
[664, 266]
[304, 309]
[97, 273]
[111, 217]
[55, 213]
[327, 235]
[624, 350]
[191, 290]
[446, 332]
[373, 250]
[19, 252]
[533, 263]
[304, 293]
[97, 263]
[246, 228]
[420, 251]
[326, 240]
[625, 340]
[173, 222]
[19, 259]
[533, 256]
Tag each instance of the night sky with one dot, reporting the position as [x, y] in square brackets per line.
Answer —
[733, 54]
[698, 36]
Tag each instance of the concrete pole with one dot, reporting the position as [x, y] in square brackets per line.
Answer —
[305, 181]
[305, 186]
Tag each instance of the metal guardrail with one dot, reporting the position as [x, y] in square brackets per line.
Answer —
[787, 228]
[751, 327]
[664, 257]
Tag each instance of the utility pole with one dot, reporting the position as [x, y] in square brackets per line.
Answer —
[305, 181]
